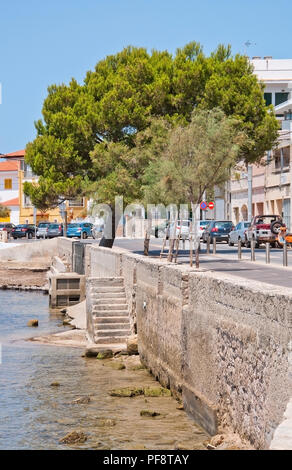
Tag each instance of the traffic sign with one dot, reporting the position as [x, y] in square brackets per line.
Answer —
[211, 205]
[203, 205]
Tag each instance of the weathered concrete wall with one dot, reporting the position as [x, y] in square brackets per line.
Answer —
[215, 339]
[28, 251]
[65, 249]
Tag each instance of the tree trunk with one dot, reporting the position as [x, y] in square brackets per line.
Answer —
[147, 236]
[110, 229]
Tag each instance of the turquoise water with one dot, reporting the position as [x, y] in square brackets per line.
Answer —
[34, 415]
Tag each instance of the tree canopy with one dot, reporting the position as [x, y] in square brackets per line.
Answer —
[91, 134]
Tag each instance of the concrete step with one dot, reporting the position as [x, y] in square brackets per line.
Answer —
[112, 326]
[107, 306]
[106, 289]
[111, 320]
[109, 295]
[105, 340]
[108, 281]
[108, 301]
[110, 313]
[112, 332]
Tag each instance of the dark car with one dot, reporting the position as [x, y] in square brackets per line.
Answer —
[23, 231]
[55, 230]
[218, 229]
[6, 227]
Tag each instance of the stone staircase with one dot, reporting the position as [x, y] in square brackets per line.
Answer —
[109, 310]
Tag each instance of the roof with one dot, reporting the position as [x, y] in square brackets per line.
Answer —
[9, 166]
[11, 202]
[18, 153]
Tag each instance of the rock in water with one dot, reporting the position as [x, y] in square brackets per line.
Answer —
[55, 384]
[117, 365]
[127, 392]
[33, 323]
[81, 401]
[132, 345]
[74, 437]
[157, 392]
[149, 413]
[105, 354]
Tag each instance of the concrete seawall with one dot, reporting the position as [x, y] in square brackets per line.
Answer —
[217, 340]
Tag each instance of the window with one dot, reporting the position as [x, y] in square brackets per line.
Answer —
[268, 98]
[8, 183]
[76, 202]
[26, 201]
[280, 98]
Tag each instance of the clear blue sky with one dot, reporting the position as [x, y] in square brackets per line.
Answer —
[50, 42]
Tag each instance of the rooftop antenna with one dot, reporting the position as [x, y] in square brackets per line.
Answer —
[247, 44]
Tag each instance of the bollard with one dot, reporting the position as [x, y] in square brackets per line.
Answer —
[252, 251]
[285, 254]
[268, 253]
[208, 245]
[214, 245]
[239, 248]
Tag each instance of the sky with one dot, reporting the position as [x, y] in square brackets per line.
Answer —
[42, 43]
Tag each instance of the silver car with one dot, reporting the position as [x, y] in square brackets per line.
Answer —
[238, 234]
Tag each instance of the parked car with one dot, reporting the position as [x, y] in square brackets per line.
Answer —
[264, 228]
[238, 234]
[6, 227]
[55, 230]
[182, 228]
[159, 231]
[42, 229]
[23, 230]
[97, 231]
[202, 225]
[218, 229]
[81, 230]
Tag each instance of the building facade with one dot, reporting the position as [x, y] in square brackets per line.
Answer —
[271, 181]
[76, 209]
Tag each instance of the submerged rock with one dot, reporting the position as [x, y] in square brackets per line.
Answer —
[149, 413]
[33, 323]
[132, 345]
[74, 437]
[136, 391]
[81, 401]
[127, 392]
[106, 422]
[117, 365]
[105, 354]
[55, 384]
[157, 392]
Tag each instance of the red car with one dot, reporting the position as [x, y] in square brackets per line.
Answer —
[264, 228]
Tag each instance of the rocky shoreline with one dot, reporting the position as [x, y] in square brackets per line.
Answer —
[24, 275]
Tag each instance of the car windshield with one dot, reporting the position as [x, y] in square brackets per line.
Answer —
[22, 226]
[74, 225]
[266, 219]
[223, 224]
[2, 225]
[43, 225]
[54, 226]
[246, 224]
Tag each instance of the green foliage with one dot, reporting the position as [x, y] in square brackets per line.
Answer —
[196, 158]
[93, 137]
[4, 212]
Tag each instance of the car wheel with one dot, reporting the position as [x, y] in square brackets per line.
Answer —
[14, 238]
[84, 235]
[30, 235]
[275, 227]
[230, 243]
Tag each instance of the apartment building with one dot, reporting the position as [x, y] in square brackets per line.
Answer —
[271, 181]
[9, 190]
[75, 208]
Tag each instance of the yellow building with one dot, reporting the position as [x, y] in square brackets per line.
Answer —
[75, 208]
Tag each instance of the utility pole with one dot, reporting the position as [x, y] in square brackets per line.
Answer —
[249, 192]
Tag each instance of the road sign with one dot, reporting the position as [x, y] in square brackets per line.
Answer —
[211, 205]
[203, 205]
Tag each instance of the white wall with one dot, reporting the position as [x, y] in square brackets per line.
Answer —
[7, 194]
